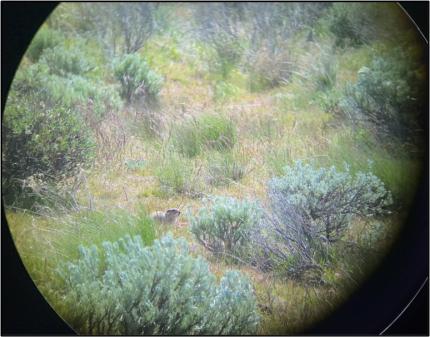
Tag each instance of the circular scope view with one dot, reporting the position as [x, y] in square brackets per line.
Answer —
[211, 168]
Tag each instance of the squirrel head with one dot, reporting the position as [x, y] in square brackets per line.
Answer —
[172, 213]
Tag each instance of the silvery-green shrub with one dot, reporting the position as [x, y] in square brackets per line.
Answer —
[310, 208]
[329, 198]
[129, 289]
[225, 224]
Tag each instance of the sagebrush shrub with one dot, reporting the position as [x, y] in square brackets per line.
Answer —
[137, 79]
[208, 131]
[328, 197]
[388, 97]
[47, 141]
[127, 288]
[44, 125]
[224, 226]
[310, 208]
[81, 94]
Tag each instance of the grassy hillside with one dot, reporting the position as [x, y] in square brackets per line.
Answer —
[216, 115]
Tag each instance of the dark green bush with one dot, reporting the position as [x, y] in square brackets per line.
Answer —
[354, 24]
[388, 97]
[44, 127]
[48, 141]
[137, 79]
[129, 289]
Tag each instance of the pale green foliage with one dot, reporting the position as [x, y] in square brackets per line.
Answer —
[127, 288]
[72, 91]
[225, 225]
[310, 210]
[329, 198]
[40, 136]
[46, 119]
[63, 61]
[224, 90]
[137, 78]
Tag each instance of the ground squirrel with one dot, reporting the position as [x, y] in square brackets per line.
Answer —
[169, 217]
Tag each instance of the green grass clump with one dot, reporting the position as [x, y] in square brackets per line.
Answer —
[278, 158]
[208, 131]
[399, 173]
[175, 174]
[95, 227]
[224, 169]
[45, 242]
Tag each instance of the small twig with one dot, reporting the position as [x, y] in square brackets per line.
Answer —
[125, 192]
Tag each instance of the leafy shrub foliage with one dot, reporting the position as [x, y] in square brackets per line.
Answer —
[354, 25]
[206, 132]
[224, 226]
[72, 91]
[388, 96]
[224, 90]
[310, 209]
[40, 139]
[44, 129]
[62, 61]
[130, 289]
[45, 38]
[137, 78]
